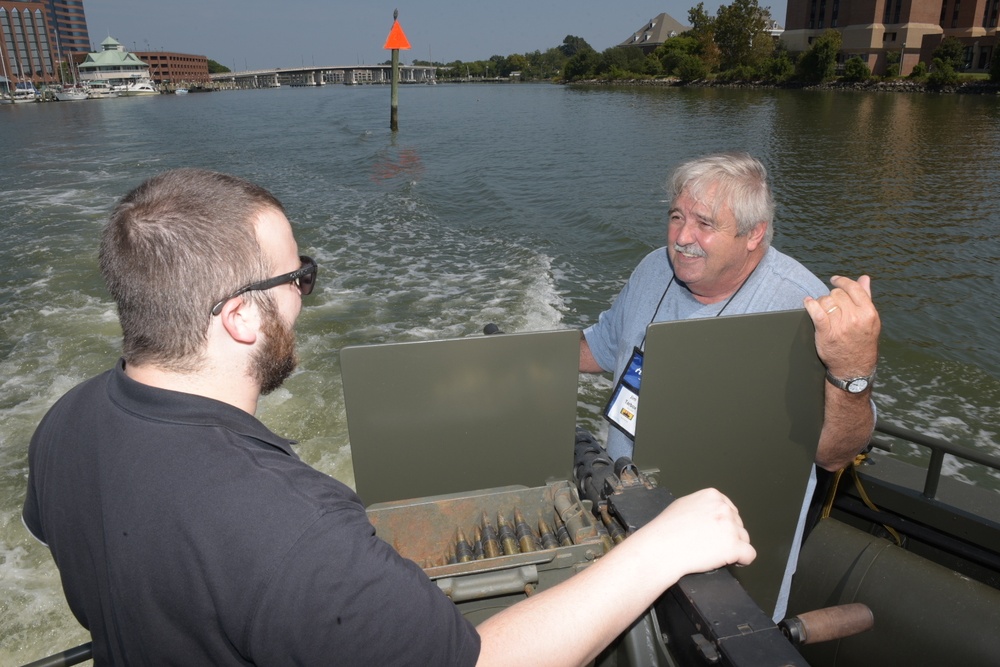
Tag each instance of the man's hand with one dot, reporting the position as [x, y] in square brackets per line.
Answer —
[847, 330]
[847, 327]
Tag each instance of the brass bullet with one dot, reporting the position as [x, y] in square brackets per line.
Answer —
[548, 538]
[617, 534]
[463, 551]
[507, 539]
[491, 547]
[525, 536]
[477, 544]
[562, 535]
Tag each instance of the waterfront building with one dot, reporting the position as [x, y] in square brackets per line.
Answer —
[171, 67]
[872, 29]
[27, 53]
[67, 26]
[654, 32]
[113, 64]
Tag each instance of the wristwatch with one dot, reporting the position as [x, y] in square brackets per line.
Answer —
[851, 385]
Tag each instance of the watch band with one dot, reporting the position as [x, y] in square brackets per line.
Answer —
[854, 385]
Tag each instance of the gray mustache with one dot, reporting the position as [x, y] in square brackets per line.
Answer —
[690, 249]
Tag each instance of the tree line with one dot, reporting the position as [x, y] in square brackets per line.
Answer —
[733, 46]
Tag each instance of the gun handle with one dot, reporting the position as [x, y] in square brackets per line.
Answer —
[822, 625]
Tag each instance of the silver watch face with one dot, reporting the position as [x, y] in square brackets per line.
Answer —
[857, 385]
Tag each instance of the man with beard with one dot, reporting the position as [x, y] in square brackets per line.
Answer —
[718, 262]
[187, 533]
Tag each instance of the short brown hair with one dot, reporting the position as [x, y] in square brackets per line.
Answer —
[173, 247]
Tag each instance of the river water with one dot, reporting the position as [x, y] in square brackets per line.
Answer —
[525, 205]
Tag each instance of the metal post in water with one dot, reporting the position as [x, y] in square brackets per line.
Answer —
[394, 96]
[396, 41]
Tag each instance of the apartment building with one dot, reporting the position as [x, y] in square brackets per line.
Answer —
[872, 29]
[27, 52]
[68, 26]
[170, 67]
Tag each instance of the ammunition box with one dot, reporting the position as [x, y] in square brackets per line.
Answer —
[424, 530]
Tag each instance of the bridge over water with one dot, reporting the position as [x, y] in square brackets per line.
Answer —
[316, 75]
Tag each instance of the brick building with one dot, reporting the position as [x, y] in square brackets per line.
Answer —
[35, 35]
[27, 51]
[170, 67]
[871, 29]
[67, 26]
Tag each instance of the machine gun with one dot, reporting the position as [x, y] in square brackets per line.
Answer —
[704, 619]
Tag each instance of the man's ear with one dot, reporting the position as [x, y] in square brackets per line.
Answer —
[241, 320]
[756, 236]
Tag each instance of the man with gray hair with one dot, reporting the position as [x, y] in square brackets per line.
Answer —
[719, 261]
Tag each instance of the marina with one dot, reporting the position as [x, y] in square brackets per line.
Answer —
[524, 205]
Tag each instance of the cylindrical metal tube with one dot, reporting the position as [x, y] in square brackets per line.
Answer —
[821, 625]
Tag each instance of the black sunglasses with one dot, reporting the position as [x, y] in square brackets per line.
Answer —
[303, 277]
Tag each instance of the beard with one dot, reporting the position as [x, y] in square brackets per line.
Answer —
[271, 365]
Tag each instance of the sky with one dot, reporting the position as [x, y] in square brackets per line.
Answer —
[258, 34]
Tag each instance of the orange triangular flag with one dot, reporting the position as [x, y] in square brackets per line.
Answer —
[396, 38]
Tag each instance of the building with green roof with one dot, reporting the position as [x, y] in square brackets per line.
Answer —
[113, 64]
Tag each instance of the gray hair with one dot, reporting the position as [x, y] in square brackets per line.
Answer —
[741, 182]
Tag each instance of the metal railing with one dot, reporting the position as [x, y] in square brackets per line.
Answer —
[938, 448]
[72, 656]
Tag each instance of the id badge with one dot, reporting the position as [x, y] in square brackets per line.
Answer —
[623, 407]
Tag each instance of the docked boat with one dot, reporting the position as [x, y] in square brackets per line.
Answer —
[181, 91]
[23, 92]
[100, 90]
[71, 94]
[137, 88]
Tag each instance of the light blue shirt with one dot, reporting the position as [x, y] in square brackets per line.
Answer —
[778, 283]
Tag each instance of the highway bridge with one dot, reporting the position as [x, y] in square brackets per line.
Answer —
[315, 75]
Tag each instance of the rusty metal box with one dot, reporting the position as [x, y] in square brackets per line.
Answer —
[425, 531]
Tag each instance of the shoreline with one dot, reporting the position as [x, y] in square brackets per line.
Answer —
[895, 86]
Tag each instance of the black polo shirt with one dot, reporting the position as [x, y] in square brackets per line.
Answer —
[186, 533]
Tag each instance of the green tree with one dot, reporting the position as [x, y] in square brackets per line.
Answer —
[892, 64]
[573, 45]
[516, 63]
[737, 28]
[951, 51]
[216, 68]
[581, 66]
[692, 68]
[819, 62]
[919, 71]
[703, 30]
[674, 50]
[626, 62]
[855, 69]
[548, 64]
[943, 74]
[701, 23]
[779, 67]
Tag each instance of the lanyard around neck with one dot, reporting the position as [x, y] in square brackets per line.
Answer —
[663, 296]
